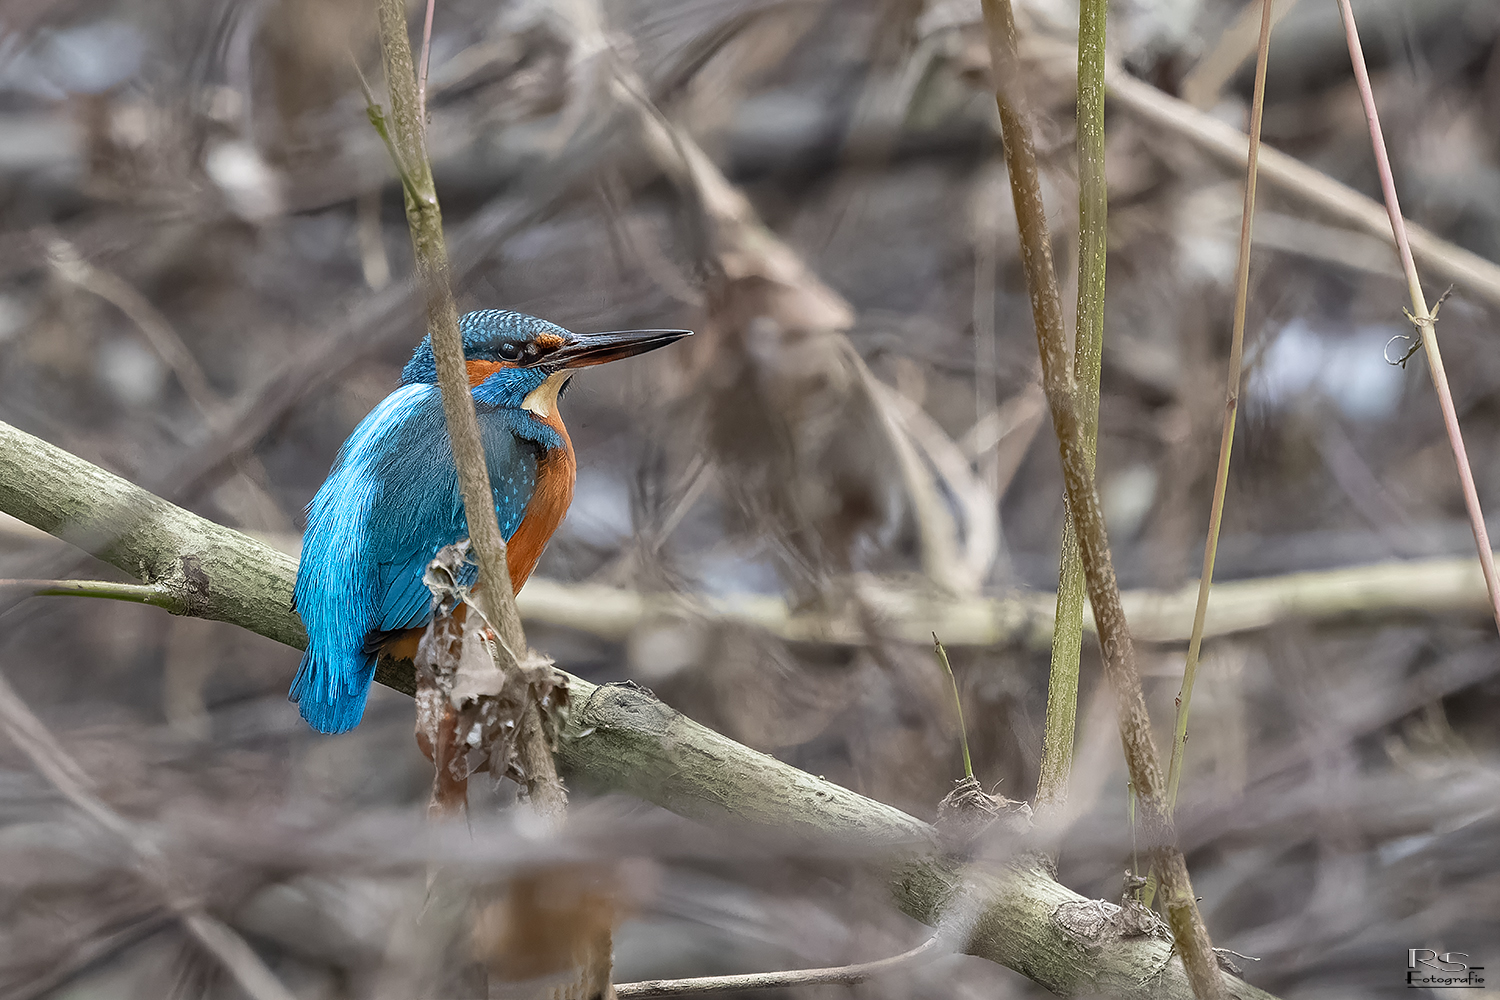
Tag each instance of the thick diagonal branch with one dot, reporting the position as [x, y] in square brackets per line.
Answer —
[616, 738]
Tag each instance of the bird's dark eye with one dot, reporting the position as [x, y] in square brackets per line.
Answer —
[509, 352]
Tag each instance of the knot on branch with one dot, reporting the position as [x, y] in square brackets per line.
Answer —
[1094, 922]
[968, 811]
[192, 588]
[1424, 324]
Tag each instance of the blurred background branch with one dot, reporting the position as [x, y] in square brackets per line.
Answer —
[769, 523]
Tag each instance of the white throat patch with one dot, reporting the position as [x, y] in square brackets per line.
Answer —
[543, 399]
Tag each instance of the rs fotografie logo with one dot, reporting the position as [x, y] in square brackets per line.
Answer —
[1426, 969]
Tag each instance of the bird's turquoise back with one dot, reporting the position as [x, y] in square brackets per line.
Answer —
[389, 504]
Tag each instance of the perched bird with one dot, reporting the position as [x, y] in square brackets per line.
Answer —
[392, 500]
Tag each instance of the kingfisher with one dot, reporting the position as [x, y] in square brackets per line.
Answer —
[392, 499]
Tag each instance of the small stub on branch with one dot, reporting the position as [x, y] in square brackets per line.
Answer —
[1424, 325]
[969, 811]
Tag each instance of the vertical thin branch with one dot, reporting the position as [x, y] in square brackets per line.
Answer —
[1231, 413]
[986, 343]
[1103, 589]
[493, 593]
[1088, 351]
[422, 63]
[1425, 321]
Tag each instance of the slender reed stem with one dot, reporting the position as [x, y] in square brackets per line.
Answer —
[1088, 351]
[492, 593]
[1188, 930]
[1425, 321]
[1231, 413]
[958, 705]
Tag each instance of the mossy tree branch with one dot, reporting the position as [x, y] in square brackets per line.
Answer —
[1060, 385]
[621, 739]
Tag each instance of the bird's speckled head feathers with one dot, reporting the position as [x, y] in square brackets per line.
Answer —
[500, 336]
[510, 355]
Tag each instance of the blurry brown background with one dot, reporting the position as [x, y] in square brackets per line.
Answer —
[203, 268]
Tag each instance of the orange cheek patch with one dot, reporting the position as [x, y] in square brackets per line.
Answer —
[547, 340]
[481, 370]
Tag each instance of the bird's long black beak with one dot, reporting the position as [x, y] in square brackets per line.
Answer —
[581, 350]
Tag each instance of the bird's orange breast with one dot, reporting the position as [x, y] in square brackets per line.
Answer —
[555, 475]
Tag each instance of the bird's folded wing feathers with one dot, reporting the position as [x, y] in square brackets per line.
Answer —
[420, 512]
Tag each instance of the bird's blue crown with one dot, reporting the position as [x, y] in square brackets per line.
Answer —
[487, 333]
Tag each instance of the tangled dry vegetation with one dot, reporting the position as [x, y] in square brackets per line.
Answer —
[204, 286]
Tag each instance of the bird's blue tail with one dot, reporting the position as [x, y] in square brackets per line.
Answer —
[331, 696]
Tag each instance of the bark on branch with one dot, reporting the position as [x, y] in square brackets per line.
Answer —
[621, 739]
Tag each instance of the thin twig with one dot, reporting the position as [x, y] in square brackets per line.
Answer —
[169, 346]
[1296, 180]
[1083, 497]
[1424, 320]
[847, 974]
[1231, 412]
[47, 755]
[1307, 185]
[92, 954]
[376, 114]
[492, 595]
[133, 593]
[958, 704]
[164, 340]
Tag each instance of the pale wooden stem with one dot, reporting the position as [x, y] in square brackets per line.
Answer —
[493, 593]
[1231, 414]
[1088, 355]
[845, 974]
[1425, 321]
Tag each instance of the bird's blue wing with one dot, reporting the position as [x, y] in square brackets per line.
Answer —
[389, 504]
[414, 523]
